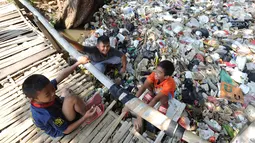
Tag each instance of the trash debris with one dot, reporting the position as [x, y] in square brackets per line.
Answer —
[250, 113]
[211, 45]
[231, 92]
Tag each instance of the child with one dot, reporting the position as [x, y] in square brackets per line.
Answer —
[161, 87]
[102, 54]
[54, 116]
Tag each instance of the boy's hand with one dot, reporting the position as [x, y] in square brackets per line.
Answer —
[138, 123]
[83, 60]
[90, 113]
[123, 70]
[62, 34]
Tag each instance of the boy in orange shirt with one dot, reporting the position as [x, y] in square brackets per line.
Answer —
[161, 88]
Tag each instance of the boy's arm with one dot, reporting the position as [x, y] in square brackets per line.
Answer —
[124, 63]
[67, 71]
[75, 44]
[141, 90]
[76, 124]
[157, 98]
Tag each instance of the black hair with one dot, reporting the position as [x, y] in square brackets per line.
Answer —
[104, 39]
[167, 66]
[33, 84]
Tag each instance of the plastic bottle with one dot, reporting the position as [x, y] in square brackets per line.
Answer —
[213, 124]
[229, 130]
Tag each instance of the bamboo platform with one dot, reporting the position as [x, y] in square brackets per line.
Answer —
[24, 51]
[21, 44]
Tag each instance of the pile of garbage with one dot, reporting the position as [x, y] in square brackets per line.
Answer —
[211, 44]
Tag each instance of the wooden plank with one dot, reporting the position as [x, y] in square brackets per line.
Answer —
[18, 40]
[13, 120]
[11, 100]
[77, 85]
[13, 104]
[25, 62]
[14, 114]
[6, 92]
[82, 88]
[19, 129]
[159, 137]
[48, 59]
[39, 69]
[29, 136]
[7, 9]
[56, 140]
[7, 13]
[67, 138]
[48, 140]
[138, 135]
[107, 120]
[75, 88]
[13, 126]
[14, 33]
[102, 133]
[24, 46]
[128, 138]
[122, 131]
[11, 27]
[12, 21]
[42, 138]
[133, 140]
[124, 136]
[24, 54]
[10, 16]
[88, 92]
[8, 48]
[13, 108]
[45, 67]
[38, 134]
[68, 83]
[116, 123]
[18, 138]
[53, 74]
[30, 24]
